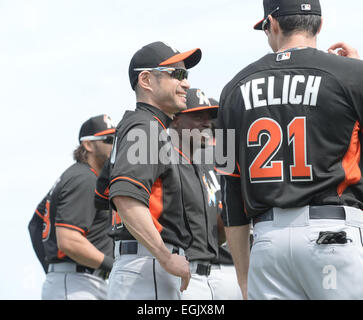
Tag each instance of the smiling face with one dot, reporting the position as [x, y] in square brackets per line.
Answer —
[198, 123]
[168, 93]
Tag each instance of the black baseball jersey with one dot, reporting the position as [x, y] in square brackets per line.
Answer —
[297, 118]
[202, 200]
[70, 204]
[143, 167]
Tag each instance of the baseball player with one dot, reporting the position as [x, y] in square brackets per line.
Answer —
[210, 279]
[145, 187]
[68, 234]
[297, 117]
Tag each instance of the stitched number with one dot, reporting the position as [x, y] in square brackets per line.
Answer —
[46, 222]
[263, 168]
[300, 171]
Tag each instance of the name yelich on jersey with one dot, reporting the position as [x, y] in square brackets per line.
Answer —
[259, 88]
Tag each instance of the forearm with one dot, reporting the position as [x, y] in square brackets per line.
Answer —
[78, 248]
[137, 218]
[238, 243]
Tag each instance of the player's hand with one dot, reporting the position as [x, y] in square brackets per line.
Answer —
[344, 50]
[178, 266]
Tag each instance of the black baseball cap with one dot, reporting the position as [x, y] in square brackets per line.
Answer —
[278, 8]
[96, 127]
[198, 101]
[213, 102]
[159, 54]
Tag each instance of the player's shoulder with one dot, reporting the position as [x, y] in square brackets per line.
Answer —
[337, 64]
[80, 172]
[257, 66]
[133, 120]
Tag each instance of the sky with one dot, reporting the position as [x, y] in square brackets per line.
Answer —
[62, 62]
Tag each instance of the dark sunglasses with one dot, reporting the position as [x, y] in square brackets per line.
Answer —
[108, 140]
[266, 22]
[176, 73]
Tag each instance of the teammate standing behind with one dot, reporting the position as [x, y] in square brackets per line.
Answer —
[145, 187]
[297, 117]
[202, 200]
[73, 245]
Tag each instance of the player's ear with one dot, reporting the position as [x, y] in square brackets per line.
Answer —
[144, 80]
[321, 25]
[274, 24]
[88, 145]
[175, 122]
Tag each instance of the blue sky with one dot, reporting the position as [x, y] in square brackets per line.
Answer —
[62, 62]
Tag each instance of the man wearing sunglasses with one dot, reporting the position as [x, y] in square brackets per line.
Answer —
[68, 234]
[153, 232]
[297, 115]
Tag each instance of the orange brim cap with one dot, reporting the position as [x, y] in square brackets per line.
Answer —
[190, 58]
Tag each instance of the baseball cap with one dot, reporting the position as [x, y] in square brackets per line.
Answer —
[279, 8]
[158, 54]
[214, 102]
[95, 127]
[198, 101]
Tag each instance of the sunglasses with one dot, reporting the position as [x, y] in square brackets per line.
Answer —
[176, 73]
[266, 21]
[108, 139]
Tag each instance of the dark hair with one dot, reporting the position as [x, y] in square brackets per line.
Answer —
[297, 23]
[80, 154]
[157, 75]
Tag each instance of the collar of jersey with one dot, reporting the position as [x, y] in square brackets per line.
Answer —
[165, 120]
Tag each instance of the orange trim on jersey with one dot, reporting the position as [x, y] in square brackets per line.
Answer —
[183, 155]
[133, 181]
[159, 122]
[199, 109]
[238, 167]
[60, 254]
[227, 173]
[64, 225]
[101, 195]
[116, 219]
[46, 220]
[156, 203]
[351, 161]
[94, 171]
[39, 214]
[105, 132]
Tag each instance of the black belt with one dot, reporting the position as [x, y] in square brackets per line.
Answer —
[203, 269]
[99, 273]
[130, 247]
[73, 267]
[315, 212]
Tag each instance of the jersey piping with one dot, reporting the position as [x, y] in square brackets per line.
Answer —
[350, 162]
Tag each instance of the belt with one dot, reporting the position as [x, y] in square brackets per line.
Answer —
[73, 267]
[202, 268]
[315, 212]
[123, 247]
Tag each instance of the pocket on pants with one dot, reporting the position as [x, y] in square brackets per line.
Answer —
[132, 264]
[261, 244]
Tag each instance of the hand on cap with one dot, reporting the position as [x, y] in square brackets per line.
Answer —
[344, 50]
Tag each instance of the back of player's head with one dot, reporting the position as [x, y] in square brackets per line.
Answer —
[293, 16]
